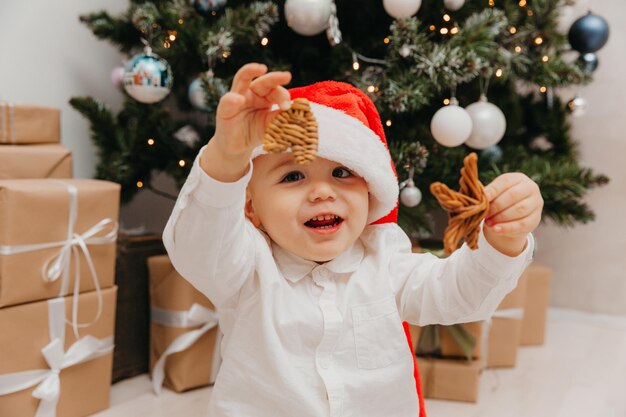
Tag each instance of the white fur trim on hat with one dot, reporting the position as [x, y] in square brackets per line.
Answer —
[346, 140]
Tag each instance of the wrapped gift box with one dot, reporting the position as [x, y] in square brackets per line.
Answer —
[197, 365]
[26, 328]
[450, 348]
[131, 355]
[538, 279]
[22, 124]
[35, 161]
[450, 379]
[505, 328]
[34, 227]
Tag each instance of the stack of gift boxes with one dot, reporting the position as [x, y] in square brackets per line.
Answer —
[57, 261]
[451, 373]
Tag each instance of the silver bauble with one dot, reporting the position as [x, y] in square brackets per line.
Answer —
[308, 17]
[453, 5]
[197, 95]
[488, 124]
[400, 9]
[147, 77]
[577, 106]
[410, 195]
[451, 125]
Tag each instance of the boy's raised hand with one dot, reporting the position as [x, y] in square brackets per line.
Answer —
[242, 115]
[515, 205]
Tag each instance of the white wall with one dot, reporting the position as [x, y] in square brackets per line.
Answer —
[48, 56]
[589, 261]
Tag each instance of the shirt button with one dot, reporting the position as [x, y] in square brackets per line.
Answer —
[324, 272]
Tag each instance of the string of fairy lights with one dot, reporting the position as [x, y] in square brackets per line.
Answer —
[448, 27]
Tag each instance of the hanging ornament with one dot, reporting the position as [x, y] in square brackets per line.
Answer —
[410, 195]
[451, 125]
[588, 62]
[492, 154]
[117, 75]
[453, 5]
[488, 124]
[589, 33]
[308, 17]
[147, 77]
[203, 84]
[333, 33]
[577, 106]
[400, 9]
[196, 94]
[207, 7]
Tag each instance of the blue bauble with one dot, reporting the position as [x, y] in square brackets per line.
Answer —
[197, 95]
[492, 154]
[206, 7]
[148, 78]
[589, 33]
[588, 62]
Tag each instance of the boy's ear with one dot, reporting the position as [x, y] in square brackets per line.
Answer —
[249, 210]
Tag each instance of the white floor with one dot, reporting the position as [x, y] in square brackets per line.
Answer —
[579, 372]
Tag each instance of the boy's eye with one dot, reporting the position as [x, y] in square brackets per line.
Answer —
[292, 176]
[342, 172]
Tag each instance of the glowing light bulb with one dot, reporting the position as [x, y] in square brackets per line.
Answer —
[265, 41]
[150, 141]
[139, 184]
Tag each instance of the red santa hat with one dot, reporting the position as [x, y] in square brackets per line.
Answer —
[351, 133]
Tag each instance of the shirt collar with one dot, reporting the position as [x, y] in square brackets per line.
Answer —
[294, 268]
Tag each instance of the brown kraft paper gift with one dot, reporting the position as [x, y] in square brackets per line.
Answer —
[449, 348]
[450, 379]
[36, 212]
[35, 161]
[27, 124]
[192, 367]
[504, 333]
[84, 387]
[536, 305]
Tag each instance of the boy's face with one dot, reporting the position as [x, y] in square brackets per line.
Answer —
[315, 211]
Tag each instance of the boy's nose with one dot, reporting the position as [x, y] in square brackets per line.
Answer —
[321, 191]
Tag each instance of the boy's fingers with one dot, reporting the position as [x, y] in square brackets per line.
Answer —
[518, 210]
[245, 75]
[280, 96]
[230, 105]
[519, 226]
[265, 84]
[509, 197]
[499, 185]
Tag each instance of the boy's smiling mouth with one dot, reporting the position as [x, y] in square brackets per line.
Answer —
[324, 222]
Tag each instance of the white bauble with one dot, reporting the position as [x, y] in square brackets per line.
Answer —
[308, 17]
[451, 125]
[453, 5]
[488, 124]
[410, 195]
[401, 8]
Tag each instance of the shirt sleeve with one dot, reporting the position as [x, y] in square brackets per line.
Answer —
[207, 237]
[466, 286]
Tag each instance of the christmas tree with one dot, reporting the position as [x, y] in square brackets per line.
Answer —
[501, 60]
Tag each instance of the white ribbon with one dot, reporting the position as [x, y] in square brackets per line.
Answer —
[505, 313]
[48, 388]
[8, 129]
[59, 265]
[195, 316]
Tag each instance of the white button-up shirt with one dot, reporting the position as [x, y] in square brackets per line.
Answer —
[310, 340]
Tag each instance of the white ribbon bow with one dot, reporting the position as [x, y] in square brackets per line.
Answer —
[195, 316]
[505, 313]
[48, 382]
[59, 265]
